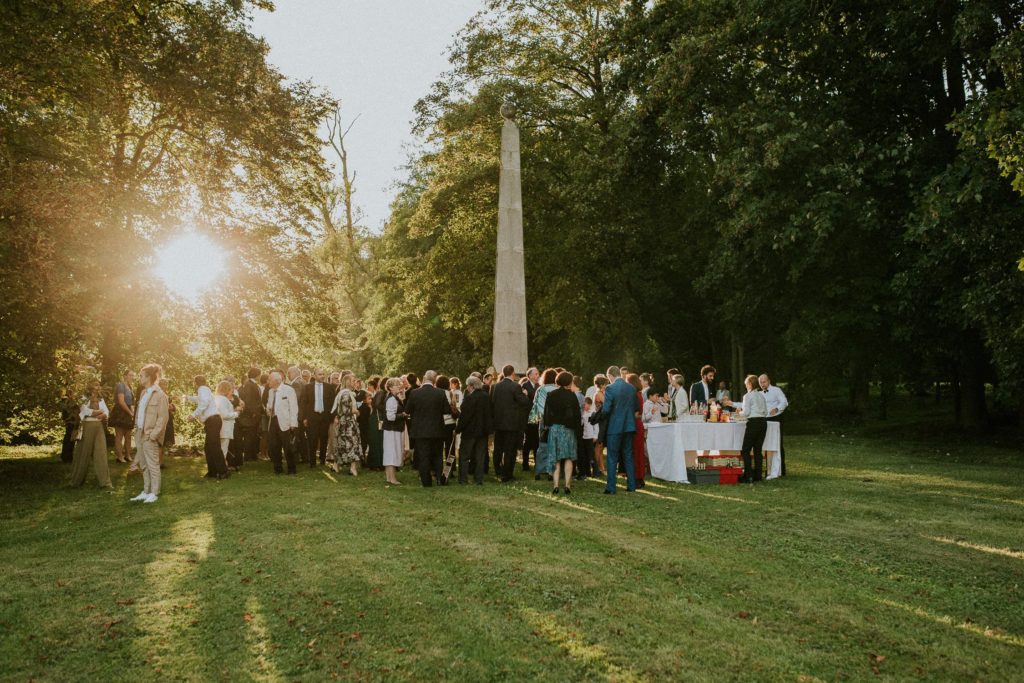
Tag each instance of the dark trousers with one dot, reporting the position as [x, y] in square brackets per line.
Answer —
[585, 463]
[472, 451]
[505, 452]
[67, 447]
[531, 440]
[782, 444]
[215, 464]
[753, 438]
[449, 439]
[316, 437]
[430, 460]
[249, 435]
[235, 452]
[300, 443]
[619, 447]
[278, 441]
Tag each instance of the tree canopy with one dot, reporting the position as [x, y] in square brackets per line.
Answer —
[832, 192]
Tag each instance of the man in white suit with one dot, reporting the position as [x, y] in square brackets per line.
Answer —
[283, 411]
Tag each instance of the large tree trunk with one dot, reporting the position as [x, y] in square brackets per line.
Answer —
[859, 388]
[973, 369]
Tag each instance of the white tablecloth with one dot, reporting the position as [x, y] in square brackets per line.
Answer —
[668, 443]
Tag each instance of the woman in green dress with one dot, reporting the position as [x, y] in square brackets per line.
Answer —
[375, 459]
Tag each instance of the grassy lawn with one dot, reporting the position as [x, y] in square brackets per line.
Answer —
[872, 560]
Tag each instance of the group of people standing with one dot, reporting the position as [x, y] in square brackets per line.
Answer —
[308, 416]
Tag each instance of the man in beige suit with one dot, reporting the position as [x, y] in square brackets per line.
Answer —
[151, 417]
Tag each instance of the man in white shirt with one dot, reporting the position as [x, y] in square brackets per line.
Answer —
[151, 416]
[777, 404]
[283, 410]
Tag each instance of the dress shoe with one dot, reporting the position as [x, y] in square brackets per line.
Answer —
[142, 496]
[610, 493]
[536, 477]
[554, 491]
[641, 483]
[568, 491]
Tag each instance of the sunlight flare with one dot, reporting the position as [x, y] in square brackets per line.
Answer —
[190, 264]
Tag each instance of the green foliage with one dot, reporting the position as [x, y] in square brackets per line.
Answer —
[121, 123]
[809, 188]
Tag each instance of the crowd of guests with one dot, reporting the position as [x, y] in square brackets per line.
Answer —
[430, 423]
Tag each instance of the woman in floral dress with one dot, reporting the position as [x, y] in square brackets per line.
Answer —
[347, 448]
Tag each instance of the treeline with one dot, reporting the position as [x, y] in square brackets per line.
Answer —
[121, 123]
[829, 191]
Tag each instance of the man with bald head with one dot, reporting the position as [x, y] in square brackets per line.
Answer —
[283, 411]
[426, 408]
[777, 404]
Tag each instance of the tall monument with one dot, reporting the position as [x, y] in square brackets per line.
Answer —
[510, 273]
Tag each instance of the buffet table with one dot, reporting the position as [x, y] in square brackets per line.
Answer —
[674, 446]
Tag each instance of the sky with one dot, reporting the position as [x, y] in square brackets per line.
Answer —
[378, 57]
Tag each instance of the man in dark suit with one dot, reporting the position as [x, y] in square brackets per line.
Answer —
[475, 425]
[426, 407]
[508, 400]
[622, 407]
[315, 414]
[704, 390]
[532, 437]
[296, 382]
[250, 417]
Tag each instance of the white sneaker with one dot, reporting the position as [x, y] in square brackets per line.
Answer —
[142, 496]
[150, 498]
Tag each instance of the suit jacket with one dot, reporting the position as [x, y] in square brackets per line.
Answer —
[698, 394]
[620, 404]
[250, 395]
[509, 404]
[476, 420]
[155, 425]
[307, 401]
[286, 407]
[426, 407]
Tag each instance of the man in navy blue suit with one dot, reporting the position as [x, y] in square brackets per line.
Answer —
[703, 391]
[621, 406]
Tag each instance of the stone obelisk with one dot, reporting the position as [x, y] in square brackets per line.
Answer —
[510, 273]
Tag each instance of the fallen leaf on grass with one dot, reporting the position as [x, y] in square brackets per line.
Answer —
[126, 601]
[877, 659]
[311, 643]
[247, 616]
[61, 584]
[744, 615]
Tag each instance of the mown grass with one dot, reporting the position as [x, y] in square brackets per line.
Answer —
[872, 560]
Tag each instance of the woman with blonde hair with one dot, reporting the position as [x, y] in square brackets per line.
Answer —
[393, 425]
[228, 415]
[347, 446]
